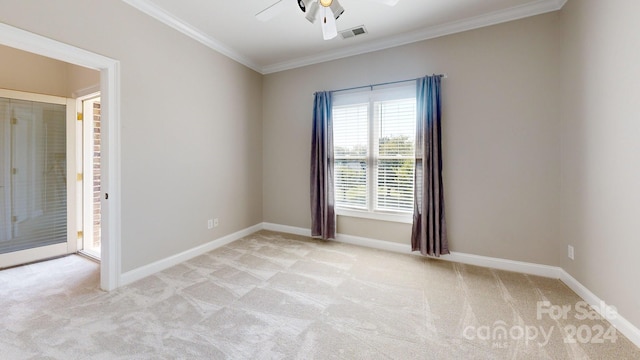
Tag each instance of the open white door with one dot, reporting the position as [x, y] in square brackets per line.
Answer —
[38, 180]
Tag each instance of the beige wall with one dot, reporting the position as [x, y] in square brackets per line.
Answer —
[540, 133]
[191, 124]
[24, 71]
[601, 149]
[501, 136]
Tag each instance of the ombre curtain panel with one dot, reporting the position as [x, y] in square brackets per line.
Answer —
[429, 231]
[323, 215]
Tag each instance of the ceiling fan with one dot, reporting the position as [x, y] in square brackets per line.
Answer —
[329, 11]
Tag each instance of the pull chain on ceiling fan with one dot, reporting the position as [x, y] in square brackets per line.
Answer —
[331, 11]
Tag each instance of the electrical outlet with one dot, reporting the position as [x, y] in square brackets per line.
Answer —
[215, 222]
[570, 252]
[210, 224]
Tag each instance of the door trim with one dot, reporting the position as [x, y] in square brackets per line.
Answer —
[86, 195]
[110, 266]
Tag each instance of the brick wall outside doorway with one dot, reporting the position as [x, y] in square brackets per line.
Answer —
[96, 175]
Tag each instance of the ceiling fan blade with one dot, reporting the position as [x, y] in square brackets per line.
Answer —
[386, 2]
[312, 12]
[329, 28]
[271, 12]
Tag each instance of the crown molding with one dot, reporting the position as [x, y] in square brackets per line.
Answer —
[432, 32]
[497, 17]
[182, 26]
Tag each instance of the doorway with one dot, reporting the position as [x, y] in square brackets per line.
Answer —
[110, 270]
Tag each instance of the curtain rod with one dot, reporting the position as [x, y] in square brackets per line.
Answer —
[444, 76]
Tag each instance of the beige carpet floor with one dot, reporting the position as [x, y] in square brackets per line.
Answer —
[277, 296]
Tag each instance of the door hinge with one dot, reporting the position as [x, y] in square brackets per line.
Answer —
[14, 121]
[80, 116]
[14, 171]
[14, 219]
[79, 177]
[80, 235]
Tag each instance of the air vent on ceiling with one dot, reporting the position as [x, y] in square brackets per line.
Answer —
[359, 30]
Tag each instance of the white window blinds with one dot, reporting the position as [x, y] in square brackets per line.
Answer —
[351, 149]
[33, 192]
[374, 136]
[396, 152]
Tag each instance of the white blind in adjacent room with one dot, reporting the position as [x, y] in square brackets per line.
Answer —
[33, 175]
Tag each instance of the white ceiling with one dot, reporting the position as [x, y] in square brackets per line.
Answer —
[289, 40]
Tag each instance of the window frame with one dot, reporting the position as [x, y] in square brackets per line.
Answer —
[371, 97]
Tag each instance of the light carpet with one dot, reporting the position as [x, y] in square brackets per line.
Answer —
[278, 296]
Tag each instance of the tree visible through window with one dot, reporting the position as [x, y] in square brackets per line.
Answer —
[374, 150]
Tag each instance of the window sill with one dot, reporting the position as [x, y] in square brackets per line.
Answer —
[399, 218]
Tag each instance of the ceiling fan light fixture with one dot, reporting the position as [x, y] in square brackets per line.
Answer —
[313, 12]
[304, 4]
[332, 10]
[336, 8]
[329, 28]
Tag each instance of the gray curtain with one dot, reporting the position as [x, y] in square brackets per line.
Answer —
[323, 216]
[429, 232]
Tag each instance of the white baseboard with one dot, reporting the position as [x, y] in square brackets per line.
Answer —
[286, 229]
[505, 264]
[375, 244]
[484, 261]
[150, 269]
[624, 326]
[621, 324]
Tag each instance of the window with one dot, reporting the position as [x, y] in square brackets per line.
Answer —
[374, 152]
